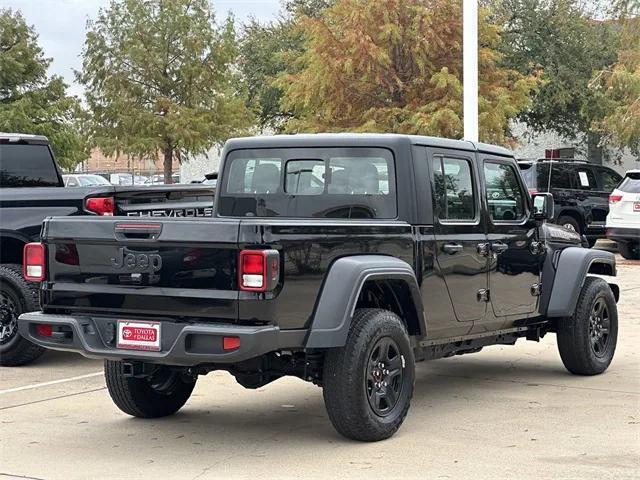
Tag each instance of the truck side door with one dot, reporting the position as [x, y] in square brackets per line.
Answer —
[459, 231]
[514, 268]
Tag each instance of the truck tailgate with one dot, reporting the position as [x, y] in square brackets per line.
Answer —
[163, 267]
[165, 201]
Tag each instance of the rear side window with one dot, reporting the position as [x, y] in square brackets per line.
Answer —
[631, 183]
[23, 165]
[560, 175]
[585, 179]
[505, 198]
[309, 182]
[453, 189]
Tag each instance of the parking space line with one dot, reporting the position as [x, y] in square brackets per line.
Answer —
[53, 398]
[53, 382]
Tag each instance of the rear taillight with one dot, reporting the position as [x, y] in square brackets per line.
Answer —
[100, 205]
[33, 262]
[614, 199]
[259, 270]
[533, 191]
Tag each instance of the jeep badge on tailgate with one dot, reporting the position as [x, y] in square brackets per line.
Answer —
[135, 261]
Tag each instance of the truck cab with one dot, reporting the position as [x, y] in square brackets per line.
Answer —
[339, 258]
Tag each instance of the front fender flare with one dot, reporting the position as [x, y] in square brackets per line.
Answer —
[571, 270]
[338, 297]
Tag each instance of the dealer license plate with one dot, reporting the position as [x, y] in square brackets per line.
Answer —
[133, 335]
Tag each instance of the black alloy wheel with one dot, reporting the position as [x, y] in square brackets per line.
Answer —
[8, 316]
[599, 327]
[384, 376]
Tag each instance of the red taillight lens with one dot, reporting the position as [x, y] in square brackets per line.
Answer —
[253, 263]
[230, 343]
[44, 330]
[101, 205]
[614, 199]
[533, 191]
[259, 270]
[33, 262]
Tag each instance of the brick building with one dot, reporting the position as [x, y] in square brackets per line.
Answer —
[98, 162]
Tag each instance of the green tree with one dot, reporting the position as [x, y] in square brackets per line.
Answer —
[396, 66]
[267, 50]
[559, 39]
[159, 77]
[30, 100]
[618, 87]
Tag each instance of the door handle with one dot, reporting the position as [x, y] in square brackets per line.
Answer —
[483, 249]
[499, 247]
[451, 248]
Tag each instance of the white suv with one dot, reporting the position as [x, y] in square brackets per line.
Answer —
[623, 220]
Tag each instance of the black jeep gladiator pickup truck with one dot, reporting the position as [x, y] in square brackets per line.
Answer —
[31, 188]
[341, 259]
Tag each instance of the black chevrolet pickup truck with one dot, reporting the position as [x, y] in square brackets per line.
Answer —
[31, 189]
[340, 259]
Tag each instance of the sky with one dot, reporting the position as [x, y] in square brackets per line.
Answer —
[60, 25]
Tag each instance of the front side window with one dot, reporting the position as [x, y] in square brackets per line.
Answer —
[504, 196]
[453, 189]
[609, 178]
[309, 182]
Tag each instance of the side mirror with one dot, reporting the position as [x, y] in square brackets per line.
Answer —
[542, 206]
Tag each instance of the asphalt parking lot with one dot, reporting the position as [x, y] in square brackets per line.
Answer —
[506, 412]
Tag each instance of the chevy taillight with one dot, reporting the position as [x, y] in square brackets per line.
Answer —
[33, 262]
[259, 270]
[614, 199]
[100, 205]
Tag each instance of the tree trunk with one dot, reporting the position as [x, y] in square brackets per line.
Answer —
[594, 150]
[168, 164]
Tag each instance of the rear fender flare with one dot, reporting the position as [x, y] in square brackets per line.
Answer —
[340, 291]
[572, 267]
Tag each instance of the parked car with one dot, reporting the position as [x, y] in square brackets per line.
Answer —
[209, 179]
[30, 190]
[84, 180]
[580, 192]
[316, 265]
[623, 221]
[158, 179]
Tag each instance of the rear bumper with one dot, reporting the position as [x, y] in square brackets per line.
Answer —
[620, 234]
[184, 344]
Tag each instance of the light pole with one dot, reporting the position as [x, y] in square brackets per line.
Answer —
[470, 68]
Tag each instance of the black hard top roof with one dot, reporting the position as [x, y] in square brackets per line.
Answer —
[360, 139]
[24, 138]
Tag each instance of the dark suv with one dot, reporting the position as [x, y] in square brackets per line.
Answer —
[580, 192]
[339, 259]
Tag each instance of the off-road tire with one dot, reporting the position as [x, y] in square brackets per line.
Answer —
[567, 220]
[345, 377]
[136, 396]
[574, 340]
[25, 295]
[629, 251]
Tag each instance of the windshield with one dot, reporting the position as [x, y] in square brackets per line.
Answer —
[306, 182]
